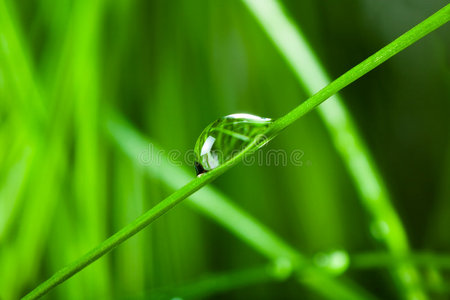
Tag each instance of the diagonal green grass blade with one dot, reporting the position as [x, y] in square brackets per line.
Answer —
[422, 29]
[373, 192]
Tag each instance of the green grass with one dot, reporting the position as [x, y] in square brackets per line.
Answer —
[85, 87]
[348, 142]
[421, 30]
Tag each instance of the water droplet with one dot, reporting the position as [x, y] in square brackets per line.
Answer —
[226, 137]
[335, 262]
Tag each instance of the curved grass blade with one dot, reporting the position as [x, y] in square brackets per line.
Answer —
[422, 29]
[374, 195]
[383, 259]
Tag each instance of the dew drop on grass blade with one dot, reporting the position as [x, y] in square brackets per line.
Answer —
[226, 137]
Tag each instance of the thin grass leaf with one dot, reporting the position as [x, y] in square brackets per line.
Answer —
[421, 30]
[89, 174]
[292, 44]
[214, 284]
[382, 259]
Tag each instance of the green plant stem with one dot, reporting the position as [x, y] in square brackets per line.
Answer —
[215, 283]
[405, 40]
[374, 195]
[382, 259]
[419, 31]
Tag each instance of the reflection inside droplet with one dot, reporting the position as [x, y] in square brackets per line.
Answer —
[227, 137]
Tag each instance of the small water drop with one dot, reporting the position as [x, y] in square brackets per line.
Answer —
[336, 262]
[226, 137]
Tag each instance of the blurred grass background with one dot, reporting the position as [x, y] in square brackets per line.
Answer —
[172, 67]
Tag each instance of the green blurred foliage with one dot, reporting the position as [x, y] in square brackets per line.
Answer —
[172, 67]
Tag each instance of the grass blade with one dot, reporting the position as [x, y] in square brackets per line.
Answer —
[373, 193]
[421, 30]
